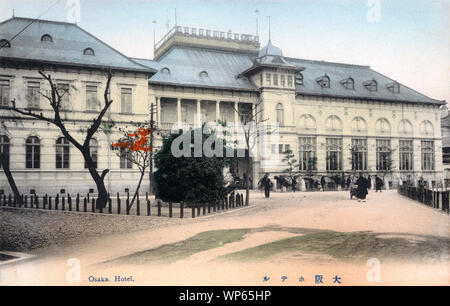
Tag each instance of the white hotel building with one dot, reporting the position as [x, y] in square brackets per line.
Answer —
[323, 108]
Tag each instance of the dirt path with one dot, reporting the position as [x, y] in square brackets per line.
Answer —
[283, 215]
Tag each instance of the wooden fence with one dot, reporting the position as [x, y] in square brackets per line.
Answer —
[433, 198]
[122, 206]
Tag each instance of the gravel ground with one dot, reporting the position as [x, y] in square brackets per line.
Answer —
[28, 229]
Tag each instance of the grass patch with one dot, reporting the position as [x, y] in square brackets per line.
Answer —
[168, 253]
[350, 247]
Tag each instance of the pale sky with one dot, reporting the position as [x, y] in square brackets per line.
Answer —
[407, 40]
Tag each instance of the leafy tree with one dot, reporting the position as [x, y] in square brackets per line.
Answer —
[289, 158]
[187, 178]
[136, 148]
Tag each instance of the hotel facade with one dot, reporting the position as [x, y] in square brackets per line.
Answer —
[338, 119]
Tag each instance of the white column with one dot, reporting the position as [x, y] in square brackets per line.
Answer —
[199, 114]
[158, 109]
[217, 111]
[178, 110]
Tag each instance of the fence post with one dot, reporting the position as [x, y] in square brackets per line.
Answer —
[50, 203]
[128, 203]
[204, 209]
[118, 204]
[214, 206]
[193, 210]
[36, 201]
[9, 200]
[209, 207]
[138, 206]
[159, 208]
[93, 205]
[26, 201]
[148, 206]
[198, 209]
[4, 200]
[31, 201]
[109, 204]
[85, 204]
[181, 210]
[63, 203]
[77, 202]
[57, 201]
[69, 202]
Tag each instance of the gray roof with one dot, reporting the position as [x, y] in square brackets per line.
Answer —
[186, 64]
[360, 74]
[69, 42]
[224, 67]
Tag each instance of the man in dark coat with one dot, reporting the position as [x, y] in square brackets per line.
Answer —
[361, 191]
[323, 182]
[266, 183]
[378, 183]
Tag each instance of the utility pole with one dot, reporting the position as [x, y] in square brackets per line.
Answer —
[152, 125]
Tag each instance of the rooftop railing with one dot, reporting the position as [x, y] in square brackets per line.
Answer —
[198, 32]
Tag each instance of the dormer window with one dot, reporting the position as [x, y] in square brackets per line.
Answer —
[371, 85]
[165, 70]
[203, 74]
[348, 83]
[88, 51]
[299, 79]
[324, 81]
[46, 38]
[394, 87]
[4, 43]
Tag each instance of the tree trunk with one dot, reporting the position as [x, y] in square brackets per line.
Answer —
[137, 189]
[12, 183]
[247, 182]
[99, 180]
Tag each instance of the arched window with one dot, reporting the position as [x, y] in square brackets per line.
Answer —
[324, 81]
[405, 127]
[4, 149]
[62, 153]
[299, 79]
[88, 51]
[359, 125]
[333, 124]
[426, 128]
[280, 114]
[382, 126]
[33, 153]
[93, 150]
[307, 122]
[46, 38]
[4, 43]
[348, 83]
[203, 74]
[371, 85]
[165, 70]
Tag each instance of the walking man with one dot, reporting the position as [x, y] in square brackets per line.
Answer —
[361, 191]
[378, 183]
[266, 183]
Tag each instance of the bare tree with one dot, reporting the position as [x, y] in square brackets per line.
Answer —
[251, 129]
[55, 98]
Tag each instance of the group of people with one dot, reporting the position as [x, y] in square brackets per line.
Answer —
[363, 185]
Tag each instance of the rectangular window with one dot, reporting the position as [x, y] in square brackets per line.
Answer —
[384, 161]
[63, 89]
[289, 80]
[427, 154]
[126, 99]
[275, 80]
[33, 94]
[4, 93]
[359, 154]
[287, 147]
[307, 153]
[282, 81]
[280, 149]
[92, 103]
[406, 151]
[268, 79]
[334, 154]
[125, 163]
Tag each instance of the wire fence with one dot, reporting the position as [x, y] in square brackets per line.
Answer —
[430, 197]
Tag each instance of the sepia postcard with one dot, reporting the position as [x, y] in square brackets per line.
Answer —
[214, 144]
